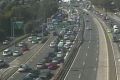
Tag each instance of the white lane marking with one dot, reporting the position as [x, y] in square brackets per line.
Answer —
[94, 69]
[72, 64]
[96, 59]
[83, 63]
[79, 76]
[86, 54]
[88, 47]
[118, 60]
[89, 41]
[30, 58]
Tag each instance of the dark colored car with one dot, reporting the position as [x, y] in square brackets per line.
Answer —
[55, 33]
[30, 76]
[45, 74]
[25, 48]
[3, 63]
[41, 64]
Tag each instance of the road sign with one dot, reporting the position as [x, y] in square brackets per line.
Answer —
[18, 24]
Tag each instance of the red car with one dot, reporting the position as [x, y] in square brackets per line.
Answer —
[52, 66]
[25, 48]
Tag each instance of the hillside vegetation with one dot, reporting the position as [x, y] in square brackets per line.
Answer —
[31, 13]
[111, 5]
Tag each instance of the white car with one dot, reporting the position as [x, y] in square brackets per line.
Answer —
[88, 28]
[68, 42]
[23, 68]
[66, 46]
[30, 38]
[17, 53]
[59, 54]
[20, 44]
[52, 44]
[65, 37]
[5, 42]
[7, 52]
[39, 38]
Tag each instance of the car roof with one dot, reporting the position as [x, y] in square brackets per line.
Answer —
[6, 49]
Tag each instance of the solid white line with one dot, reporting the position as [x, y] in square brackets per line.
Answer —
[79, 76]
[94, 69]
[72, 64]
[107, 53]
[89, 41]
[83, 63]
[86, 54]
[114, 58]
[88, 47]
[30, 58]
[96, 59]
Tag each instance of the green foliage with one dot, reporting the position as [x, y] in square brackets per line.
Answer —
[28, 13]
[108, 4]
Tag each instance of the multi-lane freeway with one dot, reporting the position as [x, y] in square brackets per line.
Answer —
[84, 66]
[90, 60]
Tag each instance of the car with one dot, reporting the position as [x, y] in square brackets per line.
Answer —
[66, 46]
[28, 77]
[68, 42]
[7, 52]
[31, 75]
[88, 28]
[38, 78]
[48, 60]
[87, 20]
[2, 63]
[39, 38]
[55, 33]
[30, 38]
[24, 68]
[61, 41]
[41, 64]
[5, 42]
[17, 53]
[25, 48]
[66, 37]
[70, 32]
[45, 74]
[20, 44]
[59, 55]
[58, 60]
[52, 44]
[115, 13]
[101, 14]
[52, 66]
[34, 41]
[51, 54]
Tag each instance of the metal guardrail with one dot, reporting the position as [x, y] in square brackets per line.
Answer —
[64, 68]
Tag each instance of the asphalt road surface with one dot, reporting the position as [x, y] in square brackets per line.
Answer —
[84, 67]
[33, 61]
